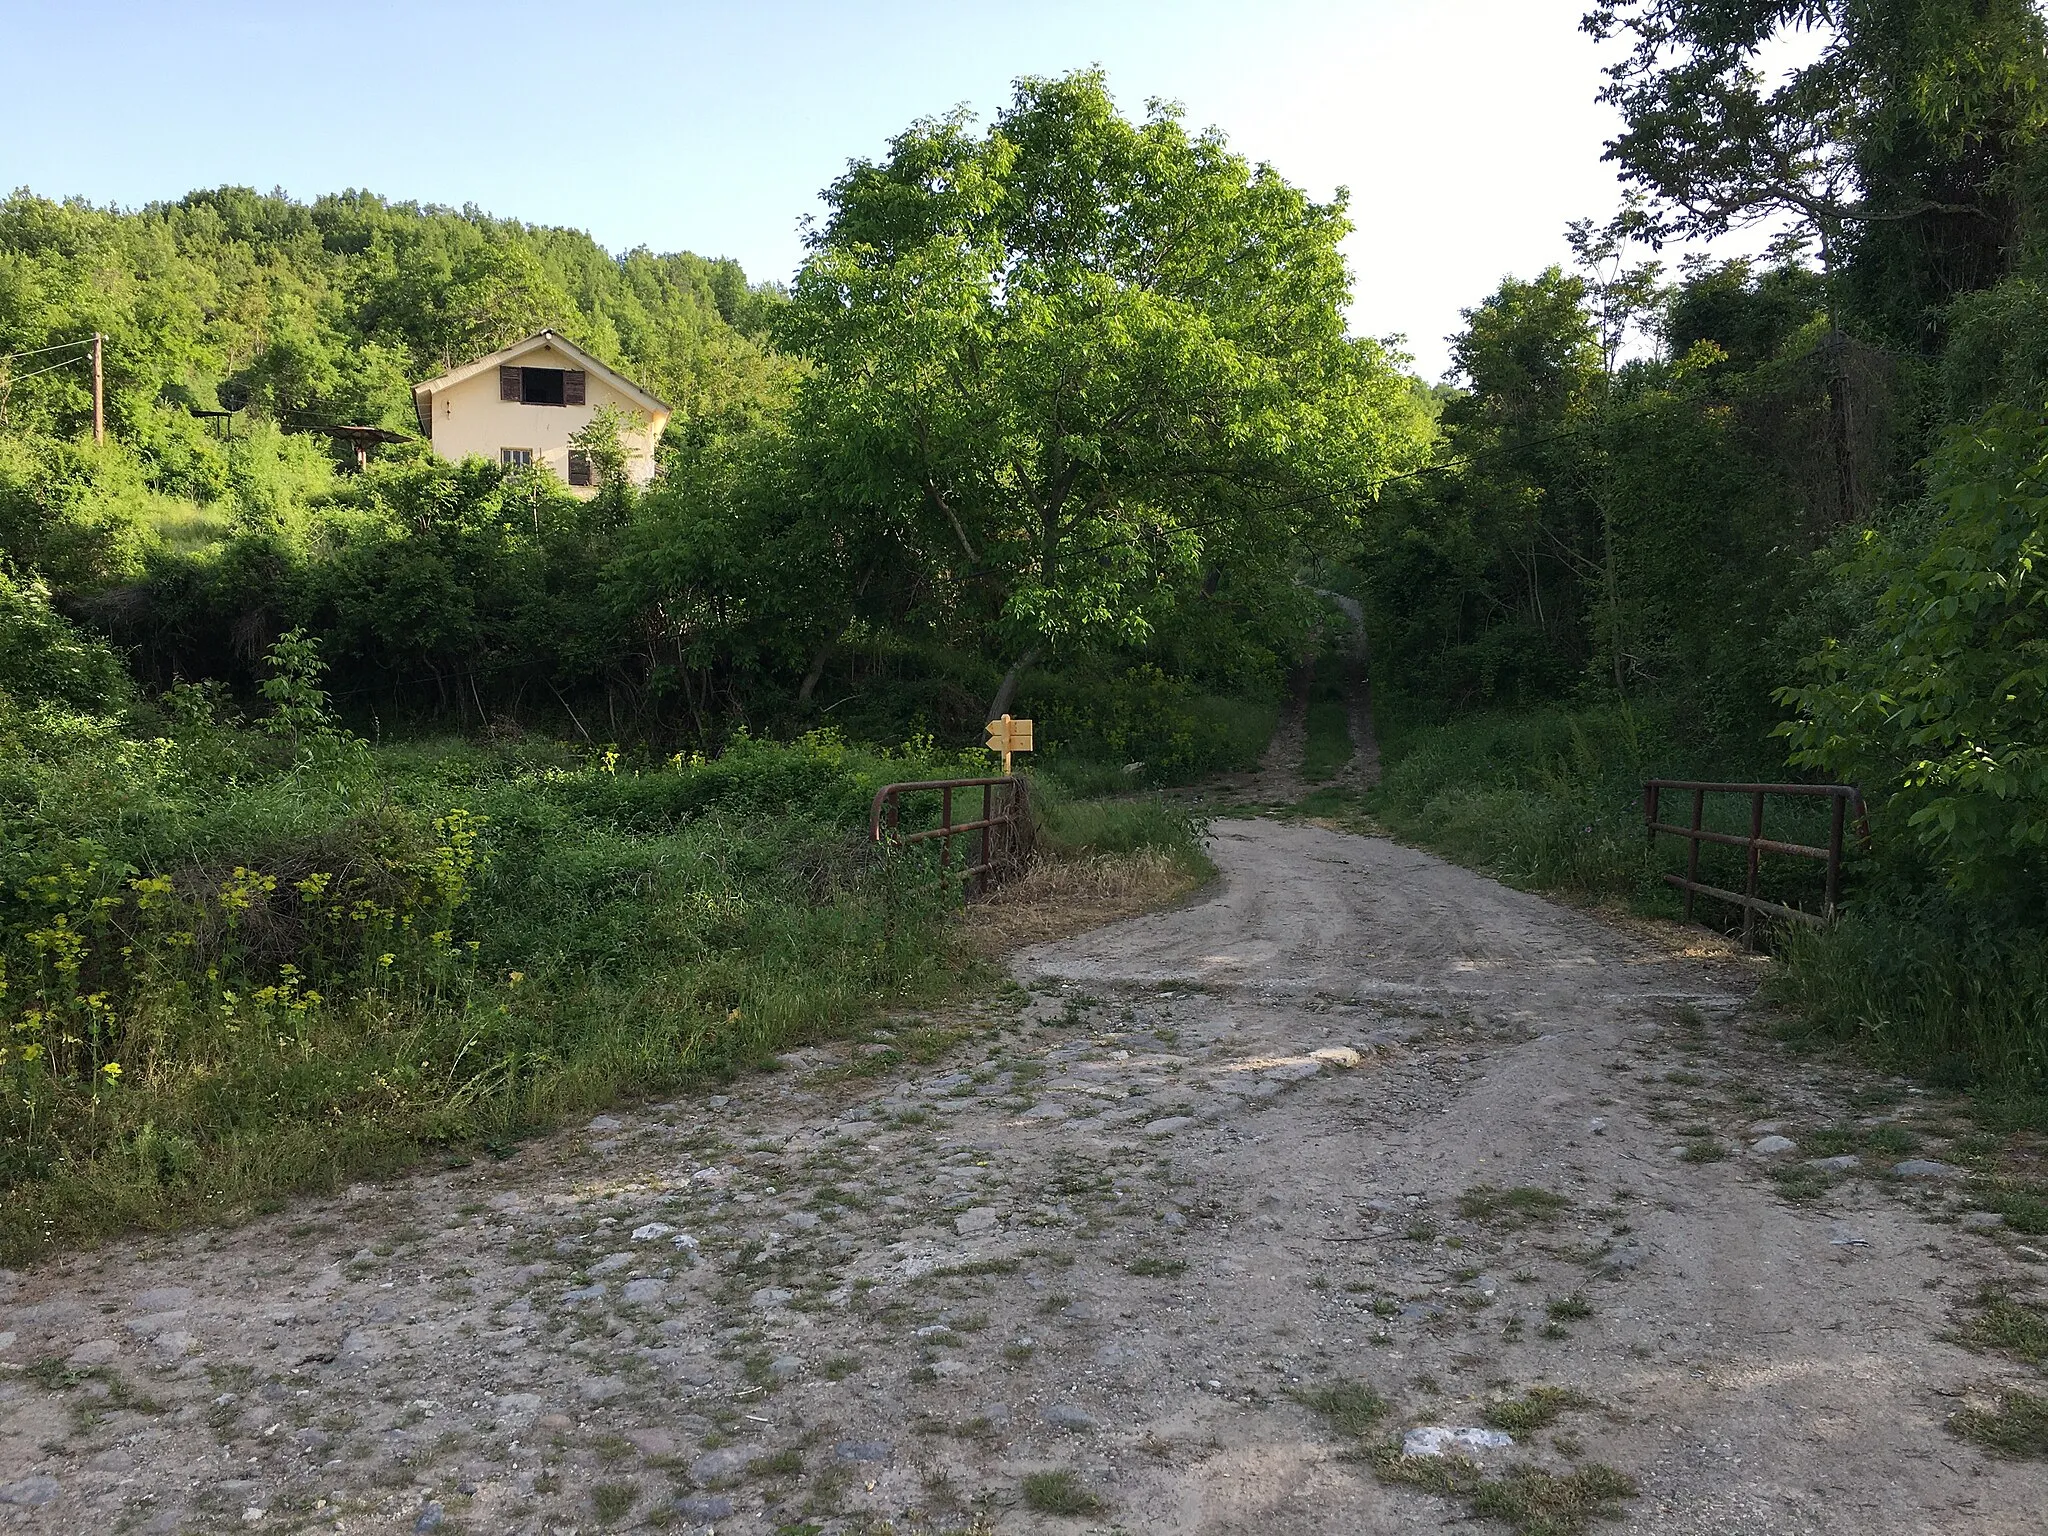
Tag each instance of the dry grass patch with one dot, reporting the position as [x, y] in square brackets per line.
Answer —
[1058, 897]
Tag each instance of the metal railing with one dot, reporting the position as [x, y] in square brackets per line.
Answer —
[889, 800]
[1755, 845]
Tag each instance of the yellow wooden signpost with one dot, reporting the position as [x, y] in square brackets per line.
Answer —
[1007, 736]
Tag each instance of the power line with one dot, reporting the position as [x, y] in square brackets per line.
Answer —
[38, 373]
[8, 357]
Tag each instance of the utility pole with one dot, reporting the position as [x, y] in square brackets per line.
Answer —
[99, 391]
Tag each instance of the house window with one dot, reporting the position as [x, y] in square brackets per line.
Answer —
[579, 467]
[520, 458]
[541, 386]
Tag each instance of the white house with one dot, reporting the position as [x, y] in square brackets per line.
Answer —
[523, 403]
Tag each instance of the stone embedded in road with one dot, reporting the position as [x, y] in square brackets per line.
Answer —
[1621, 1261]
[704, 1507]
[975, 1222]
[1167, 1125]
[1925, 1168]
[1841, 1164]
[644, 1292]
[863, 1450]
[784, 1367]
[515, 1410]
[1983, 1221]
[1773, 1146]
[612, 1263]
[430, 1518]
[1449, 1440]
[600, 1389]
[582, 1293]
[32, 1492]
[607, 1123]
[91, 1353]
[1291, 1071]
[1069, 1417]
[168, 1298]
[652, 1231]
[769, 1297]
[651, 1442]
[803, 1221]
[1336, 1056]
[720, 1468]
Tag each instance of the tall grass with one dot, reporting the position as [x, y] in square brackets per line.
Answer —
[1548, 799]
[1070, 826]
[1929, 983]
[221, 990]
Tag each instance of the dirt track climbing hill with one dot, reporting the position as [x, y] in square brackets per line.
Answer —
[1181, 1235]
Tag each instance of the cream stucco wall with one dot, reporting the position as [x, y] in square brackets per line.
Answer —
[469, 418]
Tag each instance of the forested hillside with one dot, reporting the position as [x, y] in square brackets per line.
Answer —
[1749, 518]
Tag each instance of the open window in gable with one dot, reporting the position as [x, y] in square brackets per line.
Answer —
[541, 386]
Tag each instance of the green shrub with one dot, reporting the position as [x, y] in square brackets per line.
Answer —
[1939, 706]
[1931, 982]
[44, 658]
[217, 991]
[1543, 798]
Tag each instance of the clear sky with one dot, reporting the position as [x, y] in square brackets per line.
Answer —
[1465, 129]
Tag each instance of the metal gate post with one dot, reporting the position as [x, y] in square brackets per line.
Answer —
[1841, 811]
[1692, 849]
[1756, 830]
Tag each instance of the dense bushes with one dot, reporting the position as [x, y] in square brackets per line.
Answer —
[234, 963]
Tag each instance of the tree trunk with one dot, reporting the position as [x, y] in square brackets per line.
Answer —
[1007, 693]
[817, 672]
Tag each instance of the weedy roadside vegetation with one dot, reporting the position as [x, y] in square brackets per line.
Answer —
[242, 961]
[1537, 1408]
[1059, 1493]
[1350, 1408]
[2015, 1426]
[1528, 1500]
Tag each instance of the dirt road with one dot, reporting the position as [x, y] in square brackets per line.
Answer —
[1182, 1235]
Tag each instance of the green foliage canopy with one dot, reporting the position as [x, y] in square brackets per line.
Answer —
[1943, 700]
[1077, 360]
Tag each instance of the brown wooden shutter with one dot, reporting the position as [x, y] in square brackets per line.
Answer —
[511, 384]
[572, 386]
[579, 465]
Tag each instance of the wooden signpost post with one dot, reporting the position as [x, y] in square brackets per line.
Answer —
[1007, 736]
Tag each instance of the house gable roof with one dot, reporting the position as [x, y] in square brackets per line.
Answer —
[422, 394]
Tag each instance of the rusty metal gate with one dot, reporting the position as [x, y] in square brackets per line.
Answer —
[1843, 798]
[1004, 805]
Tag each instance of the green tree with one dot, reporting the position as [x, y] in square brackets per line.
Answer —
[1904, 149]
[1069, 355]
[1940, 705]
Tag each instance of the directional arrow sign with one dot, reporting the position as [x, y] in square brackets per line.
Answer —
[1007, 735]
